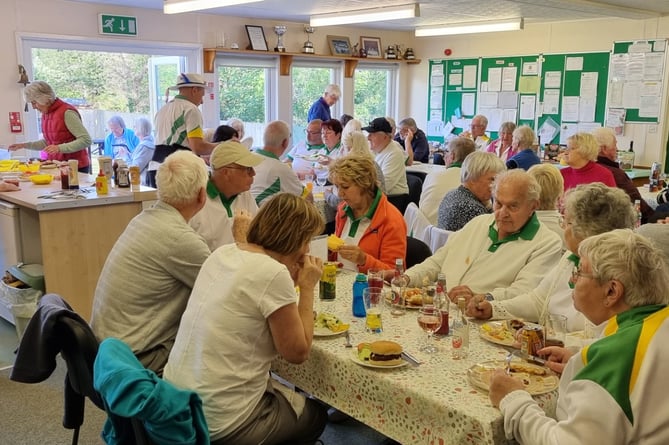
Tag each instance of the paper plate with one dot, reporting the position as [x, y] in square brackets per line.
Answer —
[536, 379]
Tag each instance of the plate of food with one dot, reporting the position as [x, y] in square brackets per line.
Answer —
[382, 354]
[536, 379]
[501, 332]
[314, 157]
[328, 325]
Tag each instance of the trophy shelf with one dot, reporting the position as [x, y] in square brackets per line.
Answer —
[286, 59]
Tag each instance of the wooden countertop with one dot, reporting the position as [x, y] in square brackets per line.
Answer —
[36, 196]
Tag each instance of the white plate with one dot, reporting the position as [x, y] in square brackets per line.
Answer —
[479, 376]
[356, 360]
[312, 158]
[325, 332]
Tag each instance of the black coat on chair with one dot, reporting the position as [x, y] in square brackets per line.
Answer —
[417, 252]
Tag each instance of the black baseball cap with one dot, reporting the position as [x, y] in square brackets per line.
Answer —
[378, 124]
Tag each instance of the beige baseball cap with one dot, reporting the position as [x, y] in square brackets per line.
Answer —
[232, 152]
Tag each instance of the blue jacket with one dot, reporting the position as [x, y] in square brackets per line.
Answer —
[523, 159]
[131, 139]
[319, 110]
[171, 416]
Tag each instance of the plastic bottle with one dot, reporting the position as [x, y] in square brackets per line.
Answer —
[398, 287]
[460, 342]
[101, 185]
[359, 285]
[442, 303]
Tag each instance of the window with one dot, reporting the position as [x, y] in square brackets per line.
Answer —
[309, 82]
[372, 97]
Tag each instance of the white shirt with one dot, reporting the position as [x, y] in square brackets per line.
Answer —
[391, 161]
[435, 186]
[273, 176]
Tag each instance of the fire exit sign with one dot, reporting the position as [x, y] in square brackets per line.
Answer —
[119, 25]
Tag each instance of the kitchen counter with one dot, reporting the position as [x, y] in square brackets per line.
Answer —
[72, 237]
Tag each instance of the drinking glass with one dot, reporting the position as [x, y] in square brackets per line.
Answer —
[555, 330]
[373, 298]
[429, 319]
[321, 178]
[375, 278]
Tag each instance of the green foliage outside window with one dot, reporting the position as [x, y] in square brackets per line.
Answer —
[242, 93]
[369, 98]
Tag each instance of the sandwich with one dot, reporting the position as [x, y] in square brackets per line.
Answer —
[381, 353]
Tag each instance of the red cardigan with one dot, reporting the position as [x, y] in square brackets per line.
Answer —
[384, 240]
[587, 174]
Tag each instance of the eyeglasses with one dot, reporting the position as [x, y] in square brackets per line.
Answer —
[312, 132]
[576, 274]
[249, 170]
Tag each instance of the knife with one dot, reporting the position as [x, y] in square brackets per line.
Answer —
[531, 358]
[410, 358]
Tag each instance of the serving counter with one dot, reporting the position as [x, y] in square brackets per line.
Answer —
[70, 234]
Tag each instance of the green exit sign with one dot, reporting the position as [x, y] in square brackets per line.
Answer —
[119, 25]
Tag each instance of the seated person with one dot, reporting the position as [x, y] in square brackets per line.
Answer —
[389, 156]
[501, 255]
[438, 183]
[476, 133]
[225, 133]
[552, 187]
[610, 390]
[272, 175]
[142, 154]
[243, 314]
[580, 156]
[503, 145]
[303, 154]
[228, 194]
[149, 274]
[472, 198]
[589, 210]
[331, 134]
[238, 126]
[526, 156]
[121, 141]
[413, 141]
[373, 229]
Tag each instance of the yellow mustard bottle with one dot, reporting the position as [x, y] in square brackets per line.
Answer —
[101, 186]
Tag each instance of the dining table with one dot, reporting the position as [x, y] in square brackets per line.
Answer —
[431, 403]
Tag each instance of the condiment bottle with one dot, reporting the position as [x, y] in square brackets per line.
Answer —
[101, 186]
[122, 175]
[442, 303]
[398, 288]
[359, 285]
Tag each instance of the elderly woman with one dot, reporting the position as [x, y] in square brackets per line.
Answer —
[613, 389]
[552, 187]
[373, 229]
[142, 154]
[351, 126]
[238, 125]
[331, 135]
[242, 314]
[525, 157]
[580, 156]
[472, 198]
[63, 132]
[413, 141]
[121, 141]
[590, 210]
[503, 145]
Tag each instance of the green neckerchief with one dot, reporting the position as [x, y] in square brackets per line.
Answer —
[576, 260]
[336, 147]
[527, 232]
[266, 153]
[314, 147]
[455, 164]
[213, 192]
[355, 222]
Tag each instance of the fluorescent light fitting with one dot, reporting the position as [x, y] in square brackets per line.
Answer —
[470, 28]
[178, 6]
[366, 15]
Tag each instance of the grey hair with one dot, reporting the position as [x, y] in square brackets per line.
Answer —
[507, 127]
[358, 145]
[275, 133]
[596, 208]
[351, 126]
[460, 148]
[585, 144]
[482, 118]
[391, 121]
[408, 122]
[180, 178]
[333, 90]
[604, 136]
[524, 136]
[478, 164]
[631, 259]
[143, 127]
[238, 125]
[551, 182]
[118, 120]
[40, 92]
[522, 179]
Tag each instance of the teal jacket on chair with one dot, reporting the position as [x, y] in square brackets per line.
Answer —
[170, 415]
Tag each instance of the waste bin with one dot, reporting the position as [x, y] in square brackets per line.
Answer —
[18, 301]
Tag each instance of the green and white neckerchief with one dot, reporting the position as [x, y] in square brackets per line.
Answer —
[315, 146]
[576, 260]
[355, 222]
[213, 192]
[527, 232]
[454, 164]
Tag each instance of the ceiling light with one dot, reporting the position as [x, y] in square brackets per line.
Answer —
[177, 6]
[366, 15]
[470, 28]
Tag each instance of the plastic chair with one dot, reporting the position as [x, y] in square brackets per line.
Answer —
[417, 252]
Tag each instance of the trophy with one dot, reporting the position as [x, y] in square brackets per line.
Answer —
[308, 47]
[280, 30]
[390, 52]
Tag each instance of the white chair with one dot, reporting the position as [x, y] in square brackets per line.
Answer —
[438, 237]
[417, 224]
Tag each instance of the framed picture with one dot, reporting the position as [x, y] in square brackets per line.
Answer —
[372, 45]
[339, 45]
[257, 40]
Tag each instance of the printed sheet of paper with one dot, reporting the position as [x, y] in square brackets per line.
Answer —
[530, 68]
[570, 108]
[468, 101]
[529, 84]
[652, 66]
[508, 99]
[586, 109]
[567, 130]
[527, 106]
[488, 99]
[631, 94]
[649, 106]
[495, 79]
[469, 77]
[589, 85]
[454, 79]
[553, 79]
[509, 74]
[551, 101]
[574, 63]
[615, 119]
[548, 130]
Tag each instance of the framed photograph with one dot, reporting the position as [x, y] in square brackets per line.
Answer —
[339, 45]
[257, 40]
[373, 46]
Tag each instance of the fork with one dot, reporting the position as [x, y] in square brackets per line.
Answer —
[347, 340]
[508, 360]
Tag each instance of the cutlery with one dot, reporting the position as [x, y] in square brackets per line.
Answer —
[347, 340]
[410, 358]
[525, 356]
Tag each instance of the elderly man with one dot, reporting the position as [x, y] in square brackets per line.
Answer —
[413, 140]
[477, 132]
[389, 156]
[305, 153]
[149, 274]
[232, 172]
[607, 157]
[272, 175]
[321, 108]
[501, 255]
[438, 183]
[178, 123]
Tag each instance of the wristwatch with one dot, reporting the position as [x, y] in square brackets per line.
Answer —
[488, 297]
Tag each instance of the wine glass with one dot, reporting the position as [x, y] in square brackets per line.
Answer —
[322, 178]
[429, 319]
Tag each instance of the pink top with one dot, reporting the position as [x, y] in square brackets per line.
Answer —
[495, 146]
[591, 172]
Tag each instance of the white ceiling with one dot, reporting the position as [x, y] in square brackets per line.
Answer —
[435, 12]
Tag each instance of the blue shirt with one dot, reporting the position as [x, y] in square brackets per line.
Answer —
[523, 159]
[319, 110]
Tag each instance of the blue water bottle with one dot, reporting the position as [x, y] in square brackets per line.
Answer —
[359, 285]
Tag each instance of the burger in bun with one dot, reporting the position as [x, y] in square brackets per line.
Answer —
[385, 353]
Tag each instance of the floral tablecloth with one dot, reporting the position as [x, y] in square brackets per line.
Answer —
[430, 404]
